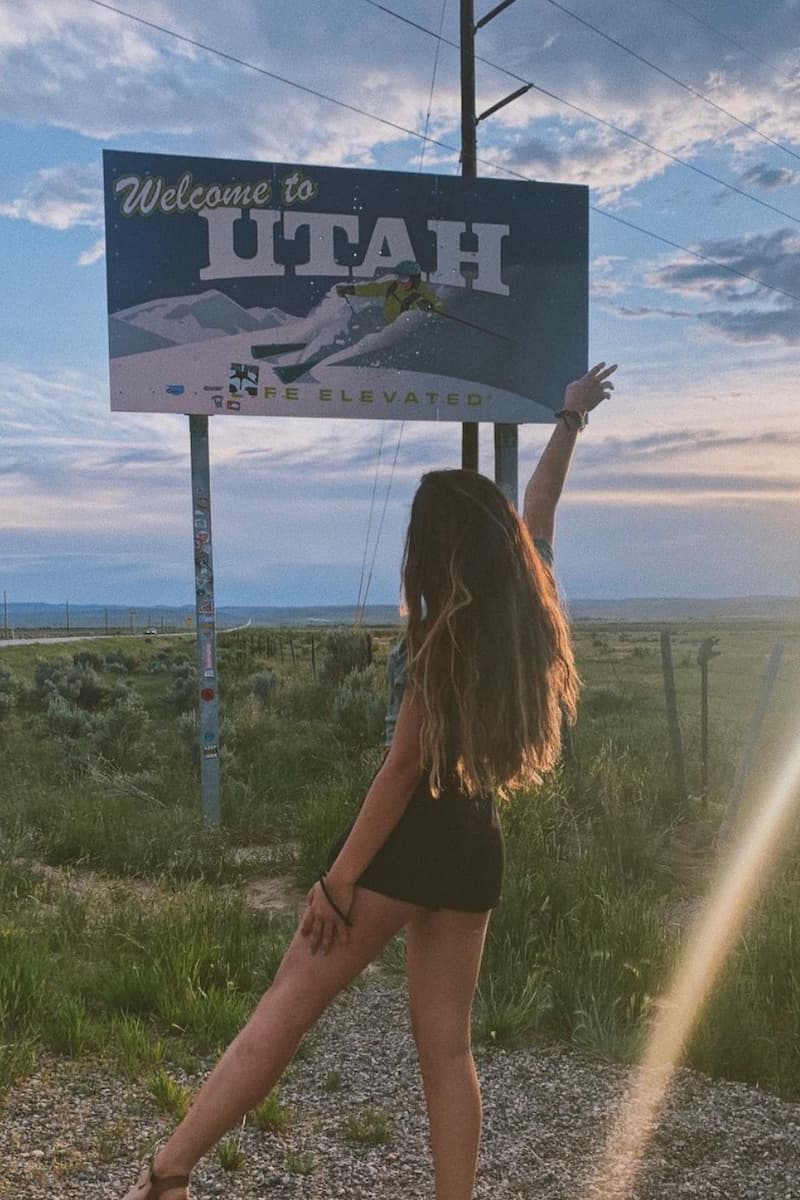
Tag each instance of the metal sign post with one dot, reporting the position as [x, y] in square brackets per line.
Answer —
[208, 691]
[506, 458]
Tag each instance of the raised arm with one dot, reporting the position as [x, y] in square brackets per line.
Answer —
[545, 485]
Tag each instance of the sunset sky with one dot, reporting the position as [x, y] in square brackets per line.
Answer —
[686, 484]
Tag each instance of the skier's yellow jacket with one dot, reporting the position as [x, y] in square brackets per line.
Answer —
[397, 300]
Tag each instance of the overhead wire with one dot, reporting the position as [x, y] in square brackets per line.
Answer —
[732, 187]
[654, 67]
[241, 62]
[402, 423]
[359, 609]
[433, 141]
[433, 84]
[383, 512]
[479, 58]
[733, 41]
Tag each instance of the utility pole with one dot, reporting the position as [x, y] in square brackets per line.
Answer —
[469, 170]
[5, 614]
[67, 614]
[505, 436]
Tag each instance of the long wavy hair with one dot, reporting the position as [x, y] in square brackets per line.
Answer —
[489, 651]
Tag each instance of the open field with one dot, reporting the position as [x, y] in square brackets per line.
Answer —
[133, 933]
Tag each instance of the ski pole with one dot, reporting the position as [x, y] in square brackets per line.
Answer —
[471, 325]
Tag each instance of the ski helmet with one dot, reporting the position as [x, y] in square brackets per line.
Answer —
[407, 269]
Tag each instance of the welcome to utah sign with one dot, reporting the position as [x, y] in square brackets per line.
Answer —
[289, 290]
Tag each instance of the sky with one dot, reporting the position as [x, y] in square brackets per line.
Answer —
[686, 482]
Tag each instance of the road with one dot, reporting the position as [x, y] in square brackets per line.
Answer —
[94, 637]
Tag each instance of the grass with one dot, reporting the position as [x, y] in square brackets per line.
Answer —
[369, 1127]
[271, 1115]
[168, 967]
[300, 1163]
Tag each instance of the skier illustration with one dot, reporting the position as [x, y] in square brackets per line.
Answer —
[407, 291]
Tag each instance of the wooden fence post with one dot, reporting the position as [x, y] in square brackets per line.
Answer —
[751, 741]
[705, 653]
[672, 715]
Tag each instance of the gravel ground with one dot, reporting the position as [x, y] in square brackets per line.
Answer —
[73, 1131]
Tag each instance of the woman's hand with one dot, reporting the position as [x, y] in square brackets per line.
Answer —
[584, 394]
[321, 924]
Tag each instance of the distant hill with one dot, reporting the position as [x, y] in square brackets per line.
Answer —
[646, 609]
[676, 608]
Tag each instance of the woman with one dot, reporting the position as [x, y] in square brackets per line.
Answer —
[482, 680]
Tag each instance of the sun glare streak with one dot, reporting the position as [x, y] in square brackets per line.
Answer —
[740, 877]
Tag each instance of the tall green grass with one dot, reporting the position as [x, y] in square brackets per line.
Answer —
[601, 859]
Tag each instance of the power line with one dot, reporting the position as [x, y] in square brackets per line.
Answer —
[241, 62]
[433, 82]
[359, 609]
[383, 515]
[686, 250]
[732, 187]
[434, 141]
[512, 75]
[687, 87]
[728, 38]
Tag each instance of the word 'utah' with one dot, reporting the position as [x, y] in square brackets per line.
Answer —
[389, 243]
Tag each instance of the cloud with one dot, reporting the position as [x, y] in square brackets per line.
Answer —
[769, 177]
[92, 71]
[643, 311]
[60, 198]
[692, 483]
[755, 325]
[94, 254]
[773, 257]
[682, 443]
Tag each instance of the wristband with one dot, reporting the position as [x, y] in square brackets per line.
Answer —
[567, 414]
[333, 904]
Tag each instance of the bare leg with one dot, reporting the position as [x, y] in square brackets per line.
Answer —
[444, 957]
[255, 1060]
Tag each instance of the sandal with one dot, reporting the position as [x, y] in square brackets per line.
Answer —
[150, 1186]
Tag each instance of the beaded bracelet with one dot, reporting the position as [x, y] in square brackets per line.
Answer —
[567, 413]
[332, 902]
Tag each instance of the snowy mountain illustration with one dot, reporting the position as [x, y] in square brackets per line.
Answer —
[345, 341]
[179, 320]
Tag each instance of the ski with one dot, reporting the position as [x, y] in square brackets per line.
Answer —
[268, 349]
[288, 374]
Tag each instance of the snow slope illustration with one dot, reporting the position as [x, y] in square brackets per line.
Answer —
[190, 342]
[177, 320]
[354, 333]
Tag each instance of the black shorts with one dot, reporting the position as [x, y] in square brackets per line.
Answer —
[445, 852]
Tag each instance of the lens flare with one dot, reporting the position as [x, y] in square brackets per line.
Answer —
[740, 878]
